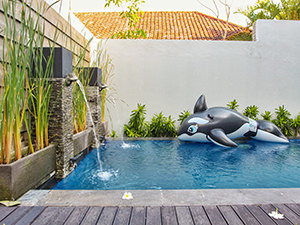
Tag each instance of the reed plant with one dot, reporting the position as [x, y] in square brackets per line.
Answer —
[79, 104]
[14, 62]
[102, 60]
[40, 72]
[24, 85]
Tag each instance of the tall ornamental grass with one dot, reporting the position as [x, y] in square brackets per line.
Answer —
[41, 88]
[102, 60]
[22, 84]
[14, 64]
[79, 104]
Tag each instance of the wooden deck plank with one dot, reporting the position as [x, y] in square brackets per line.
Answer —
[123, 216]
[168, 215]
[92, 216]
[53, 215]
[16, 215]
[199, 215]
[5, 211]
[77, 215]
[269, 208]
[229, 214]
[288, 213]
[214, 215]
[294, 207]
[138, 216]
[260, 215]
[184, 215]
[107, 216]
[30, 215]
[153, 216]
[245, 215]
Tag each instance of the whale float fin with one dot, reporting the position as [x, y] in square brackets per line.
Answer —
[200, 105]
[218, 137]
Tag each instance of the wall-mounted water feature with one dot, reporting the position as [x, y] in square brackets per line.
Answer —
[61, 127]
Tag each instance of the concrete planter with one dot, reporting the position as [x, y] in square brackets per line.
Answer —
[103, 129]
[27, 173]
[82, 140]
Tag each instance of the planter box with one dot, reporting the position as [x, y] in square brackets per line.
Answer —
[82, 140]
[27, 173]
[103, 128]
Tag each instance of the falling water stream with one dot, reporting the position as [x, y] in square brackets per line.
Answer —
[103, 175]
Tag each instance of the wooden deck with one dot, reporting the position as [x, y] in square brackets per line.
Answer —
[160, 215]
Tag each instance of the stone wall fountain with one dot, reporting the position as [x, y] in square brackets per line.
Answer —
[61, 119]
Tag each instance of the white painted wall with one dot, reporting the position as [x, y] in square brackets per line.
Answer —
[169, 76]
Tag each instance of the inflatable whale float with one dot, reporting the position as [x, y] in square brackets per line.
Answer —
[219, 125]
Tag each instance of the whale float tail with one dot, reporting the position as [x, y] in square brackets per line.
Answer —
[267, 131]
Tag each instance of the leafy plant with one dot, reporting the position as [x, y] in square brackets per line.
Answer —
[113, 134]
[183, 115]
[267, 115]
[137, 126]
[233, 105]
[162, 126]
[283, 120]
[251, 112]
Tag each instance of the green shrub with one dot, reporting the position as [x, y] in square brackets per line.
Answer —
[283, 120]
[251, 112]
[296, 125]
[233, 105]
[241, 36]
[267, 115]
[137, 126]
[183, 115]
[162, 126]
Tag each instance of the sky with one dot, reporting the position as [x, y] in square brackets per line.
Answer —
[159, 5]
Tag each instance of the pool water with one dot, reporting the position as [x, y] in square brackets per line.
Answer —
[171, 164]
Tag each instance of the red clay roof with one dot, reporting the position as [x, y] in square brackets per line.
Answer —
[160, 25]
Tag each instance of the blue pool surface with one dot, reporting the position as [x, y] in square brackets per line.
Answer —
[171, 164]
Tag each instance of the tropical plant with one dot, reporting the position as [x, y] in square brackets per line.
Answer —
[295, 124]
[183, 115]
[132, 16]
[162, 126]
[137, 126]
[267, 115]
[113, 134]
[283, 120]
[251, 112]
[267, 9]
[233, 105]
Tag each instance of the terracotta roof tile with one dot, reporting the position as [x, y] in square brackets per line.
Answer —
[160, 25]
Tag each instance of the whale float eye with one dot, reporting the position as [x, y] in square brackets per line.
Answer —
[192, 129]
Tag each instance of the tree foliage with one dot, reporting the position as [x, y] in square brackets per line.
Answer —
[267, 9]
[131, 14]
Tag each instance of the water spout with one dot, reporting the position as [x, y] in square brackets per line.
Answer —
[102, 86]
[70, 78]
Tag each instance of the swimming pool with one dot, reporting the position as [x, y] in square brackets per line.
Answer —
[171, 164]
